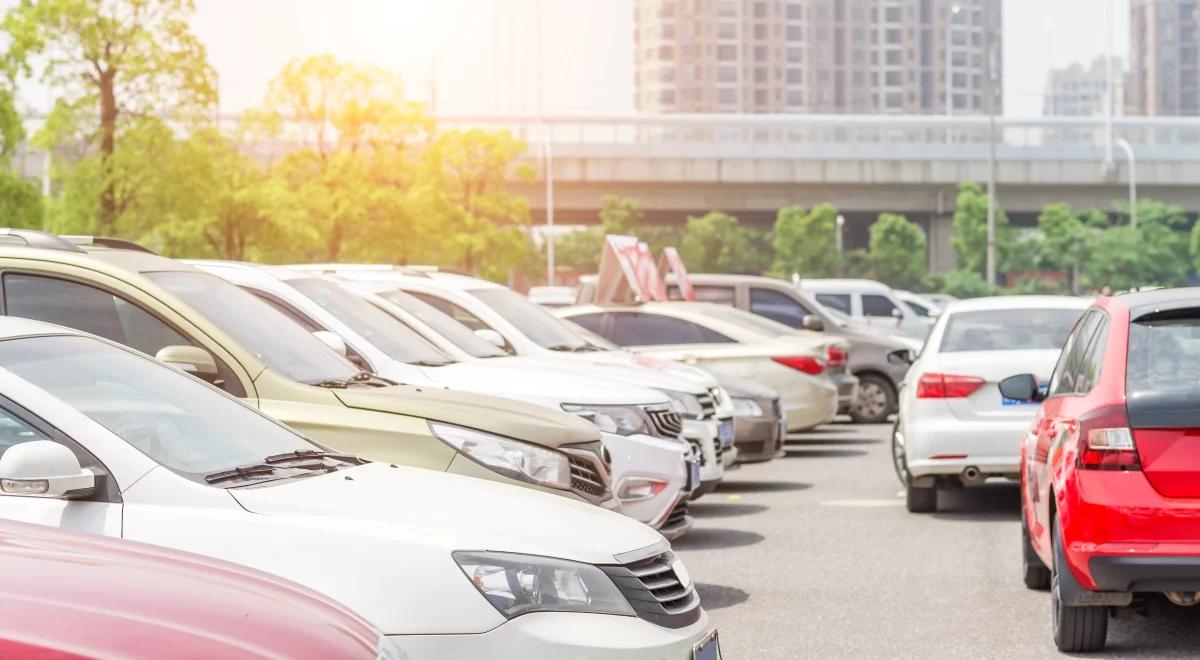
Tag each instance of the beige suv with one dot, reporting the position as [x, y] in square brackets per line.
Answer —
[219, 333]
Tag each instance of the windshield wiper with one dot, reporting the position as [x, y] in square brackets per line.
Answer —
[306, 454]
[241, 472]
[567, 348]
[431, 363]
[361, 378]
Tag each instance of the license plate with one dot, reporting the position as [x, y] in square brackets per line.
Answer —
[709, 649]
[725, 433]
[693, 467]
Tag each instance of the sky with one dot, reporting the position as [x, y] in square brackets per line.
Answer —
[481, 55]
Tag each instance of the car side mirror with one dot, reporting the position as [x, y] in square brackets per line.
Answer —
[192, 359]
[41, 468]
[813, 323]
[492, 337]
[901, 356]
[332, 341]
[1022, 387]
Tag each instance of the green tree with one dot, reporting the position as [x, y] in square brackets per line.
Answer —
[1065, 241]
[897, 251]
[970, 230]
[805, 242]
[1155, 253]
[962, 283]
[114, 65]
[618, 215]
[715, 243]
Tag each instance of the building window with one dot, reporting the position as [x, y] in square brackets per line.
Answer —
[760, 74]
[666, 53]
[727, 74]
[727, 31]
[795, 11]
[795, 76]
[726, 96]
[760, 53]
[760, 30]
[795, 55]
[760, 10]
[666, 97]
[795, 33]
[795, 98]
[726, 53]
[760, 97]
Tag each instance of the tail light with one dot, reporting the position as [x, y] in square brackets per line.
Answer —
[1106, 442]
[837, 358]
[808, 364]
[947, 386]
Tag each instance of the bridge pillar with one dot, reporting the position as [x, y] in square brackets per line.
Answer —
[941, 251]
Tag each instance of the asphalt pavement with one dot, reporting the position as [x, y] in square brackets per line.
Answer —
[813, 555]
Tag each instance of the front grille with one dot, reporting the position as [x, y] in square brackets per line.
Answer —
[656, 592]
[699, 451]
[677, 516]
[589, 473]
[665, 423]
[708, 404]
[718, 449]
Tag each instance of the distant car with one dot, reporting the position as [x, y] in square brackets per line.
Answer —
[940, 299]
[955, 427]
[873, 302]
[70, 595]
[922, 305]
[552, 296]
[758, 422]
[705, 335]
[1110, 466]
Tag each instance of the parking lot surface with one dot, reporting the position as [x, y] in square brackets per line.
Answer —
[814, 555]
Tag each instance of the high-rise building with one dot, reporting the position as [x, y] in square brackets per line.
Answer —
[1082, 91]
[1164, 45]
[816, 56]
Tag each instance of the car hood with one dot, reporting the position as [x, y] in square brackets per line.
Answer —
[539, 383]
[453, 512]
[506, 417]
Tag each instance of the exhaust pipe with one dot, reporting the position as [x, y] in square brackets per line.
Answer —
[1183, 598]
[971, 476]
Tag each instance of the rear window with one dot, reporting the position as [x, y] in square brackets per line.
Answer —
[1161, 383]
[1008, 330]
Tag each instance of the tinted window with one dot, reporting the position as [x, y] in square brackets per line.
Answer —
[778, 307]
[920, 309]
[89, 309]
[590, 322]
[838, 301]
[1161, 384]
[1008, 330]
[1068, 368]
[722, 295]
[877, 305]
[636, 329]
[540, 326]
[1093, 358]
[444, 325]
[14, 432]
[454, 311]
[286, 310]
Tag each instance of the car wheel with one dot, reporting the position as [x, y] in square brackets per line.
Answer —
[876, 400]
[899, 460]
[1076, 629]
[920, 500]
[1033, 569]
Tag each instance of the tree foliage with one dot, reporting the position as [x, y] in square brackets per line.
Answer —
[715, 243]
[970, 230]
[897, 251]
[805, 242]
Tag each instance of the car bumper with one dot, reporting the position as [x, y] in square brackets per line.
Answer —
[702, 434]
[818, 406]
[758, 438]
[640, 459]
[847, 390]
[1167, 572]
[937, 446]
[564, 635]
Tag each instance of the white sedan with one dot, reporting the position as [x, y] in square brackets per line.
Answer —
[954, 426]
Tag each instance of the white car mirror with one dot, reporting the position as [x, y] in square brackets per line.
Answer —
[192, 359]
[491, 336]
[41, 468]
[332, 341]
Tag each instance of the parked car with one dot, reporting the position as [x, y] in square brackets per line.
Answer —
[650, 463]
[552, 296]
[878, 380]
[214, 330]
[70, 595]
[510, 321]
[922, 305]
[705, 335]
[955, 427]
[873, 302]
[106, 440]
[1110, 481]
[758, 423]
[940, 299]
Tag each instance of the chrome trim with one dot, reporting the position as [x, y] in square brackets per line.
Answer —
[643, 553]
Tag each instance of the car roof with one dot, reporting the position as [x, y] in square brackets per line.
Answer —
[720, 278]
[268, 271]
[13, 326]
[1017, 302]
[844, 285]
[1141, 303]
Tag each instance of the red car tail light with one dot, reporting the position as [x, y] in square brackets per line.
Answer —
[1105, 441]
[837, 358]
[947, 386]
[807, 364]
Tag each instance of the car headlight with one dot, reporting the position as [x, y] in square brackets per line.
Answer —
[519, 584]
[621, 420]
[512, 458]
[685, 404]
[746, 408]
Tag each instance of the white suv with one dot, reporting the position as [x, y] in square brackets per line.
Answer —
[98, 438]
[869, 302]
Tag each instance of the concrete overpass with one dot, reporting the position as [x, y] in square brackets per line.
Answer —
[752, 165]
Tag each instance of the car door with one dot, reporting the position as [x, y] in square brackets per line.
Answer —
[99, 513]
[777, 306]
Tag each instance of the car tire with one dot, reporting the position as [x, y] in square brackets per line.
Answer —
[1076, 629]
[876, 400]
[1034, 571]
[920, 500]
[899, 457]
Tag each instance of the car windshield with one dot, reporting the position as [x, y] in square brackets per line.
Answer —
[593, 338]
[542, 327]
[275, 339]
[443, 324]
[177, 421]
[396, 340]
[1008, 329]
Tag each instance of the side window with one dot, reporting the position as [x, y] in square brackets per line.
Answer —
[722, 295]
[593, 322]
[874, 304]
[285, 309]
[838, 301]
[1093, 359]
[457, 312]
[636, 329]
[777, 307]
[14, 432]
[96, 311]
[1066, 372]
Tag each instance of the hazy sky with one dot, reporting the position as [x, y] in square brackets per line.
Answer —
[483, 53]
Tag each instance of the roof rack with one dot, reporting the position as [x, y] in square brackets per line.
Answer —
[35, 239]
[108, 242]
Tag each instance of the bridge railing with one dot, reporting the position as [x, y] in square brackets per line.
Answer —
[832, 137]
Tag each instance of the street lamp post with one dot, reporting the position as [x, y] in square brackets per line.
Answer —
[1129, 156]
[841, 222]
[990, 101]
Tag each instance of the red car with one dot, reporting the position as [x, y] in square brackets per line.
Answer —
[1110, 470]
[67, 595]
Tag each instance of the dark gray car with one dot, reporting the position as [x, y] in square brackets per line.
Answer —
[781, 301]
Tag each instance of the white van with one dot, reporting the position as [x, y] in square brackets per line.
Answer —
[870, 302]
